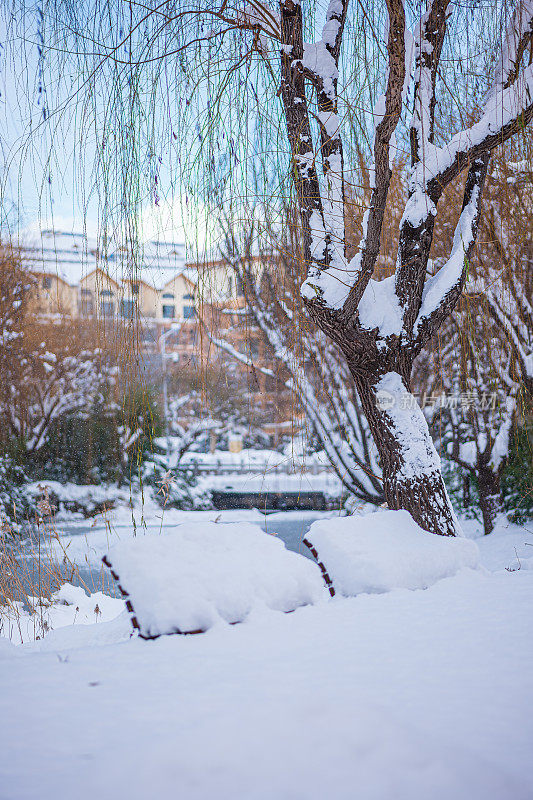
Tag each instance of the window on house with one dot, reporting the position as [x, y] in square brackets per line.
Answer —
[230, 284]
[107, 308]
[168, 312]
[87, 307]
[135, 288]
[127, 308]
[189, 312]
[188, 297]
[47, 282]
[106, 293]
[168, 296]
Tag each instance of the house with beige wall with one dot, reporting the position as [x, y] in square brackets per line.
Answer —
[53, 296]
[76, 278]
[138, 298]
[98, 295]
[178, 298]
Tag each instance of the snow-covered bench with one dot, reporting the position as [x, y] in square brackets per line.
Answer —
[384, 551]
[186, 581]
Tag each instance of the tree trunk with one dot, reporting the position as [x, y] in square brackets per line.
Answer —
[466, 491]
[490, 498]
[412, 478]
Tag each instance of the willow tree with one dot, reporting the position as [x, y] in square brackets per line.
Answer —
[312, 96]
[381, 325]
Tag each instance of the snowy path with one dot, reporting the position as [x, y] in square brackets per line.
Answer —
[420, 695]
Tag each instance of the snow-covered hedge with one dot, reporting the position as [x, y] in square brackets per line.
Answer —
[16, 505]
[206, 572]
[177, 488]
[72, 498]
[386, 550]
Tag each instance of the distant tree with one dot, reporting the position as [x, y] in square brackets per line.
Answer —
[502, 272]
[54, 376]
[481, 362]
[16, 286]
[307, 364]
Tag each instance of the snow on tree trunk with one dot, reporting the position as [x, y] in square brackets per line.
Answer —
[412, 477]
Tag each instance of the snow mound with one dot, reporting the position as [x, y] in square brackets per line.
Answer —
[520, 563]
[188, 580]
[68, 607]
[386, 550]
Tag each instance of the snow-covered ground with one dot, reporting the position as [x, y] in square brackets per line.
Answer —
[403, 694]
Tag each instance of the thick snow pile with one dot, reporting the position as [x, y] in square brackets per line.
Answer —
[387, 550]
[26, 622]
[203, 572]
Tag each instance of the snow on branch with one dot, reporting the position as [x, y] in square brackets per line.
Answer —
[293, 94]
[442, 290]
[342, 284]
[508, 108]
[322, 214]
[334, 26]
[428, 41]
[222, 344]
[504, 115]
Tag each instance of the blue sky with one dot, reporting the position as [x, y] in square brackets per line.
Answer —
[45, 180]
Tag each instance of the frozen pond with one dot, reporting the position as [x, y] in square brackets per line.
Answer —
[85, 541]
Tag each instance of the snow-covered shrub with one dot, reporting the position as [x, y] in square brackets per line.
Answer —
[516, 482]
[82, 448]
[177, 488]
[252, 438]
[106, 443]
[70, 605]
[16, 505]
[87, 500]
[462, 490]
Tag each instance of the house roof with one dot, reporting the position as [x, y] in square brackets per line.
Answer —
[72, 256]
